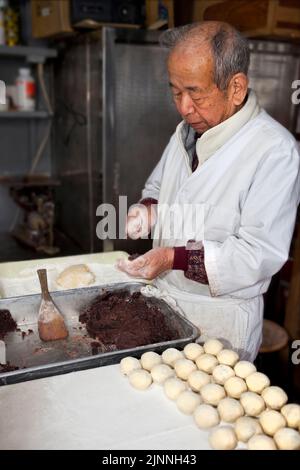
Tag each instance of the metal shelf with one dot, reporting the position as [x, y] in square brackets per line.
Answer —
[25, 115]
[32, 54]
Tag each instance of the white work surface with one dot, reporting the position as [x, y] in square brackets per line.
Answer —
[20, 277]
[93, 409]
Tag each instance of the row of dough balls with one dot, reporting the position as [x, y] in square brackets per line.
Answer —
[212, 384]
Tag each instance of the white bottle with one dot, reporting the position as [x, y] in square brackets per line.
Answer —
[25, 90]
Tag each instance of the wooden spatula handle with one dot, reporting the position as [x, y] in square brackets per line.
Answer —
[42, 273]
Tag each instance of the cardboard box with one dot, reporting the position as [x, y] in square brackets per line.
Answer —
[50, 18]
[255, 18]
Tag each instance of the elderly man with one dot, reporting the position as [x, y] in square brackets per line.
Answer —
[240, 169]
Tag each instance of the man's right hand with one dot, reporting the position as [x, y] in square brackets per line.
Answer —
[140, 220]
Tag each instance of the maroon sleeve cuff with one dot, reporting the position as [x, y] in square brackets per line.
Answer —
[148, 201]
[180, 258]
[196, 268]
[191, 261]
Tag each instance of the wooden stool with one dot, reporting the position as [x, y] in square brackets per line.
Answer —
[275, 337]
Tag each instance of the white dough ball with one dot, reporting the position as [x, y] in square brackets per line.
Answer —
[244, 368]
[184, 367]
[206, 362]
[230, 410]
[223, 438]
[261, 442]
[150, 359]
[252, 403]
[188, 401]
[173, 387]
[140, 379]
[170, 355]
[257, 381]
[192, 351]
[246, 427]
[271, 421]
[161, 372]
[287, 439]
[197, 379]
[206, 416]
[221, 373]
[291, 412]
[212, 394]
[128, 364]
[235, 386]
[274, 397]
[228, 357]
[213, 346]
[75, 276]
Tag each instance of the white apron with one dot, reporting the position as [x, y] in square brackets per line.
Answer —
[235, 322]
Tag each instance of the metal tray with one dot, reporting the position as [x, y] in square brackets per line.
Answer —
[37, 359]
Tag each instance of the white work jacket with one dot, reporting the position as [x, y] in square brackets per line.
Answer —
[247, 193]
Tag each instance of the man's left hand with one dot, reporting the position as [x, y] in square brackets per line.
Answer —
[149, 265]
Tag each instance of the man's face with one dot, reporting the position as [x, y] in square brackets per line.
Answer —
[196, 96]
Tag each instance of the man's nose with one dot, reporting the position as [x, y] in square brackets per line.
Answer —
[186, 105]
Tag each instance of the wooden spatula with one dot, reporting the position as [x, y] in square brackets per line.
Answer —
[51, 324]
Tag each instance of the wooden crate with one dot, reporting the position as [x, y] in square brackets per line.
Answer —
[272, 18]
[153, 21]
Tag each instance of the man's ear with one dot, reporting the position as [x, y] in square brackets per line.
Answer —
[238, 87]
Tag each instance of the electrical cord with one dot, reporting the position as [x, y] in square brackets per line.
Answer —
[42, 146]
[41, 78]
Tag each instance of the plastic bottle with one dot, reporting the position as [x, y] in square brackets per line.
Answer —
[25, 90]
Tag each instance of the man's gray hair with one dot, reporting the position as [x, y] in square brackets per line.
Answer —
[229, 48]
